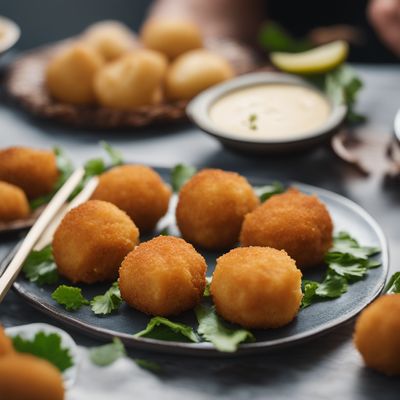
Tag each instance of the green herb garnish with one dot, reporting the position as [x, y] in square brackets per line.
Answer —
[108, 353]
[147, 364]
[114, 154]
[207, 292]
[265, 192]
[108, 302]
[347, 262]
[39, 267]
[70, 297]
[163, 329]
[180, 174]
[46, 346]
[253, 121]
[65, 168]
[213, 330]
[393, 286]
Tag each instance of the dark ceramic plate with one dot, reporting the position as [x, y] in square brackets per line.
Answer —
[314, 320]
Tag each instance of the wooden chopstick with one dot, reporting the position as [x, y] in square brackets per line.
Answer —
[12, 271]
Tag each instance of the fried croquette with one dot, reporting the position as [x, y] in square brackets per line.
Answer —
[171, 37]
[92, 240]
[377, 336]
[70, 74]
[211, 208]
[195, 71]
[6, 346]
[25, 377]
[132, 81]
[13, 203]
[138, 190]
[164, 276]
[293, 221]
[257, 287]
[34, 171]
[110, 39]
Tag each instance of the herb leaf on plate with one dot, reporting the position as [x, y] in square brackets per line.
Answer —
[107, 354]
[393, 286]
[267, 191]
[39, 266]
[213, 330]
[70, 297]
[114, 154]
[180, 174]
[108, 302]
[163, 329]
[46, 346]
[207, 292]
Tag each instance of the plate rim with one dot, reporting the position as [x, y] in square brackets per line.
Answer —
[207, 349]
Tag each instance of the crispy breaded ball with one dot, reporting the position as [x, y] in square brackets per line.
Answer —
[6, 346]
[110, 39]
[25, 377]
[171, 36]
[132, 81]
[92, 240]
[377, 336]
[13, 202]
[138, 190]
[34, 171]
[70, 74]
[195, 71]
[164, 276]
[257, 287]
[293, 221]
[212, 206]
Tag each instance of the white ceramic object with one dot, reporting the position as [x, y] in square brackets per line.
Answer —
[10, 36]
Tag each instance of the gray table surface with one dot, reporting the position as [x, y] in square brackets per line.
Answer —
[326, 368]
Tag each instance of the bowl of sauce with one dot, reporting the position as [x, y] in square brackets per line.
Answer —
[266, 112]
[9, 34]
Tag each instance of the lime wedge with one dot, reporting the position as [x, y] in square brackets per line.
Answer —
[318, 60]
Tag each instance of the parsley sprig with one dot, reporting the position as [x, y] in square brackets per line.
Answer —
[70, 297]
[393, 286]
[180, 174]
[108, 302]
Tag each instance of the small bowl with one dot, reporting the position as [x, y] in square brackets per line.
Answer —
[198, 112]
[9, 34]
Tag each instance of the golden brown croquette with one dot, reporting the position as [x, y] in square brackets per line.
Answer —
[212, 206]
[6, 346]
[257, 287]
[293, 221]
[25, 377]
[13, 203]
[92, 240]
[164, 276]
[377, 336]
[34, 171]
[138, 190]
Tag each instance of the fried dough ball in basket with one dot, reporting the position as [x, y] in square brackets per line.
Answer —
[257, 287]
[293, 221]
[6, 346]
[70, 74]
[34, 171]
[195, 71]
[110, 39]
[171, 37]
[212, 206]
[164, 276]
[25, 377]
[138, 190]
[132, 81]
[377, 336]
[13, 203]
[92, 240]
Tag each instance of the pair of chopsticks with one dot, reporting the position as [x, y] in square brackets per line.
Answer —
[46, 223]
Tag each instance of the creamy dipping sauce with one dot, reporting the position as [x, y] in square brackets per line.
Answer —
[270, 111]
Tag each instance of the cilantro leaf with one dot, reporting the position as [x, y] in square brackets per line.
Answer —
[163, 329]
[40, 267]
[69, 296]
[107, 302]
[332, 287]
[309, 288]
[207, 292]
[213, 330]
[393, 285]
[108, 353]
[180, 174]
[114, 154]
[46, 346]
[265, 192]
